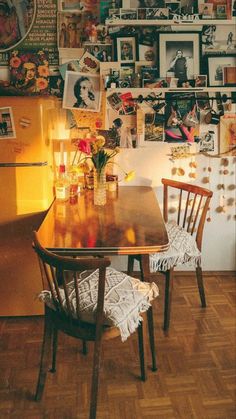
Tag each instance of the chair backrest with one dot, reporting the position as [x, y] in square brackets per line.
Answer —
[60, 273]
[192, 205]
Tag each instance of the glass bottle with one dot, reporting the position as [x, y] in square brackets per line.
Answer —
[62, 184]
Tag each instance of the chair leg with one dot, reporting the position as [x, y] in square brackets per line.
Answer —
[130, 265]
[151, 338]
[54, 350]
[95, 377]
[200, 285]
[45, 356]
[141, 352]
[168, 296]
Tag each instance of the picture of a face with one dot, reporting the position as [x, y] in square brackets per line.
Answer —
[86, 88]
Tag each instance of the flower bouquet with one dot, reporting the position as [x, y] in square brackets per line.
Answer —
[92, 148]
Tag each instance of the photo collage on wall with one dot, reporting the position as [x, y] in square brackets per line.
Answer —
[98, 59]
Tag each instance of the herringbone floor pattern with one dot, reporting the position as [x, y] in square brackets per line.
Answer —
[196, 376]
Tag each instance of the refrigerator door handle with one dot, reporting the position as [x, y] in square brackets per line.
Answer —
[28, 164]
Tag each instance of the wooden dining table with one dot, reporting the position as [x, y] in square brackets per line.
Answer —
[129, 223]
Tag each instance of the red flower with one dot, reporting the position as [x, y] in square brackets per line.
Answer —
[84, 146]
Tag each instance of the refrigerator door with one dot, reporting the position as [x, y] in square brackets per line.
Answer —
[26, 187]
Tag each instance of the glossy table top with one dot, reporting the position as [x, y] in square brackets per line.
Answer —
[129, 223]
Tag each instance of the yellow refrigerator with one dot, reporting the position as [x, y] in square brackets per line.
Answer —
[26, 187]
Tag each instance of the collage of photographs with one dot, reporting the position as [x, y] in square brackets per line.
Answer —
[97, 60]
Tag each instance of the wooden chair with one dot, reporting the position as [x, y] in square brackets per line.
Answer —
[63, 275]
[190, 215]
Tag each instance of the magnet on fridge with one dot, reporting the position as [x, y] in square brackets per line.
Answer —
[25, 122]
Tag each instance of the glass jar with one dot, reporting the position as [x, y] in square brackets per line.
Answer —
[100, 197]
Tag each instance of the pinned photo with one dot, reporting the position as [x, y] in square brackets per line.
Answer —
[82, 91]
[7, 127]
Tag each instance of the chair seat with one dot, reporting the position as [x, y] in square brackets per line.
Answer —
[125, 298]
[183, 250]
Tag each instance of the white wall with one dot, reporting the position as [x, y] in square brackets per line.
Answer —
[151, 164]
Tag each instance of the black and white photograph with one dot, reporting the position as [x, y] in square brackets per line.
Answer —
[56, 85]
[157, 13]
[207, 141]
[82, 91]
[218, 39]
[128, 14]
[179, 55]
[7, 126]
[215, 68]
[102, 52]
[173, 8]
[126, 49]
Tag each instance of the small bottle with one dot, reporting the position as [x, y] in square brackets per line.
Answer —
[62, 185]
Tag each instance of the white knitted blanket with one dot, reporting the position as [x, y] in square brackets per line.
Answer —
[125, 299]
[183, 250]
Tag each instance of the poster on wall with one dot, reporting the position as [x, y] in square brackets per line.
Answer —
[29, 73]
[33, 26]
[7, 127]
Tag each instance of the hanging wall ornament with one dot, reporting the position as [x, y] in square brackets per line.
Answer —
[193, 166]
[209, 171]
[222, 207]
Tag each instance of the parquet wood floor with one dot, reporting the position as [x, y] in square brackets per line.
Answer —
[197, 364]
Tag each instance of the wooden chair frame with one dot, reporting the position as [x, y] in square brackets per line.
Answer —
[193, 203]
[53, 268]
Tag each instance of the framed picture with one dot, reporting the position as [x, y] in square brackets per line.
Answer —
[205, 10]
[179, 55]
[216, 65]
[218, 39]
[126, 49]
[82, 91]
[7, 127]
[221, 11]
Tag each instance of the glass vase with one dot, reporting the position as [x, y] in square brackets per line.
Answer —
[100, 197]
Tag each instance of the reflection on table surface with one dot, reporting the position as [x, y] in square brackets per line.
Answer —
[129, 223]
